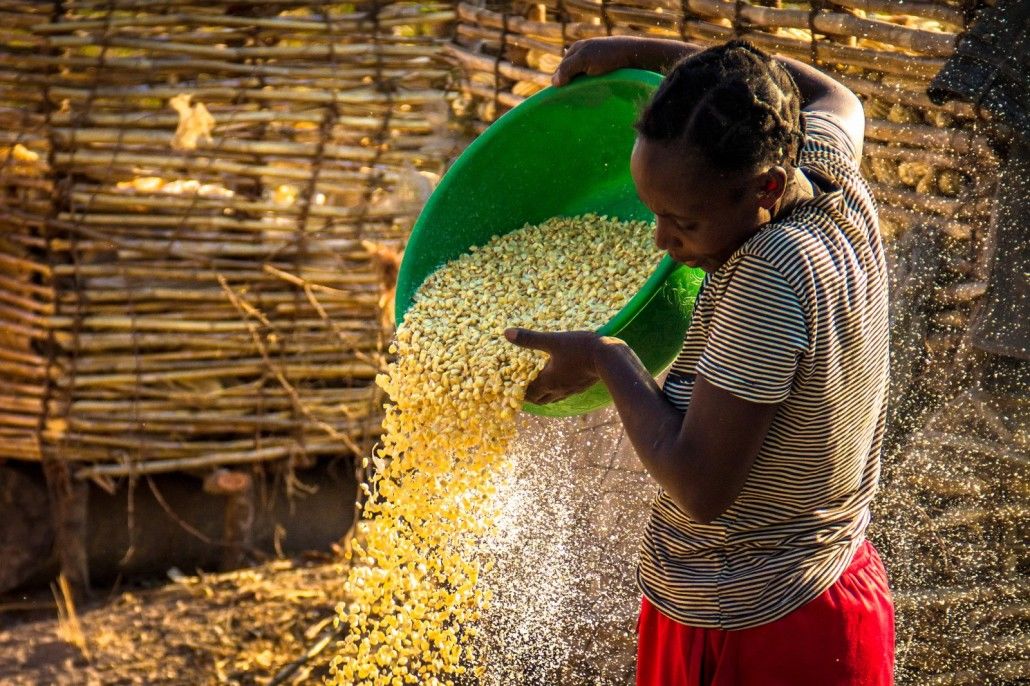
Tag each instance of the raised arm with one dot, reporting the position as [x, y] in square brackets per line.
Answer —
[819, 92]
[594, 56]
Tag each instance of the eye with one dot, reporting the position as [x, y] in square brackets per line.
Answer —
[680, 223]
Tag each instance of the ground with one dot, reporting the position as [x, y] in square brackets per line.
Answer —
[240, 627]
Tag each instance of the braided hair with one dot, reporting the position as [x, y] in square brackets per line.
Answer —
[733, 103]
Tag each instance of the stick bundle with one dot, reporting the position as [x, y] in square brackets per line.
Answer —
[195, 200]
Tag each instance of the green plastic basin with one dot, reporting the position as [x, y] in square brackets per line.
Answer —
[563, 152]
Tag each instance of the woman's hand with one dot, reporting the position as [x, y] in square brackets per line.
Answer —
[595, 56]
[570, 370]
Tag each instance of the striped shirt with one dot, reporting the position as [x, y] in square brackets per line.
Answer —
[796, 316]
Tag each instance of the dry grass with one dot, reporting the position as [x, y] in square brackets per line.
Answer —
[240, 627]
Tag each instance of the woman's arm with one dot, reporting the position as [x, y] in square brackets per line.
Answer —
[594, 56]
[819, 92]
[701, 458]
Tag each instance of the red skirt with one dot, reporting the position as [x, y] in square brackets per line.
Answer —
[844, 637]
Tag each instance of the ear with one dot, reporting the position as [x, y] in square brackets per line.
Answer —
[772, 184]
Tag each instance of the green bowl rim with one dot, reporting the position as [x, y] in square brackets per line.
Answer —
[624, 316]
[640, 300]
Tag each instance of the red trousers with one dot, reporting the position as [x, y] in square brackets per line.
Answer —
[844, 637]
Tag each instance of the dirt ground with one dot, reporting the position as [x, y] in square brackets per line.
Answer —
[252, 626]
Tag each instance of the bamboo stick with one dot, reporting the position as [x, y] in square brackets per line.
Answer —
[275, 405]
[22, 371]
[283, 225]
[33, 305]
[12, 314]
[905, 97]
[163, 446]
[222, 145]
[179, 296]
[824, 22]
[162, 324]
[176, 272]
[518, 40]
[193, 359]
[319, 7]
[401, 121]
[20, 449]
[24, 421]
[503, 97]
[92, 159]
[346, 369]
[154, 423]
[346, 247]
[938, 11]
[933, 158]
[20, 388]
[956, 140]
[552, 30]
[100, 200]
[336, 50]
[911, 218]
[17, 403]
[241, 395]
[207, 461]
[18, 263]
[954, 208]
[298, 338]
[24, 357]
[504, 68]
[345, 23]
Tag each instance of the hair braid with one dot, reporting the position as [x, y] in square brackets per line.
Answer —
[733, 103]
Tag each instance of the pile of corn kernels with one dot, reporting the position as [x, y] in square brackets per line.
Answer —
[455, 387]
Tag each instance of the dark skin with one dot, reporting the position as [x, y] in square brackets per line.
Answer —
[701, 458]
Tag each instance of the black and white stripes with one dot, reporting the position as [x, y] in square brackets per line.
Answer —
[797, 316]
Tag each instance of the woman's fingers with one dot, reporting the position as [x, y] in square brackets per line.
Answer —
[594, 56]
[541, 391]
[537, 340]
[535, 393]
[572, 64]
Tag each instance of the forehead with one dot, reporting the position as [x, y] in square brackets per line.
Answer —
[670, 179]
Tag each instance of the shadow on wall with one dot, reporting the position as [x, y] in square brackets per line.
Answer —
[174, 523]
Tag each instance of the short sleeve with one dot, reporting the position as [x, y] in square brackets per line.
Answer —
[826, 141]
[757, 335]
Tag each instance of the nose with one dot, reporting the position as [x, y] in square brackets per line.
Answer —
[664, 237]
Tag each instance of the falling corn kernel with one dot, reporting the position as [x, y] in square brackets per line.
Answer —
[455, 387]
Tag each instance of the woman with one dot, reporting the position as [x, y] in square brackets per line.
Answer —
[765, 437]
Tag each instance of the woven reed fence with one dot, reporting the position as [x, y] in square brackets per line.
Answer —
[919, 157]
[952, 509]
[201, 208]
